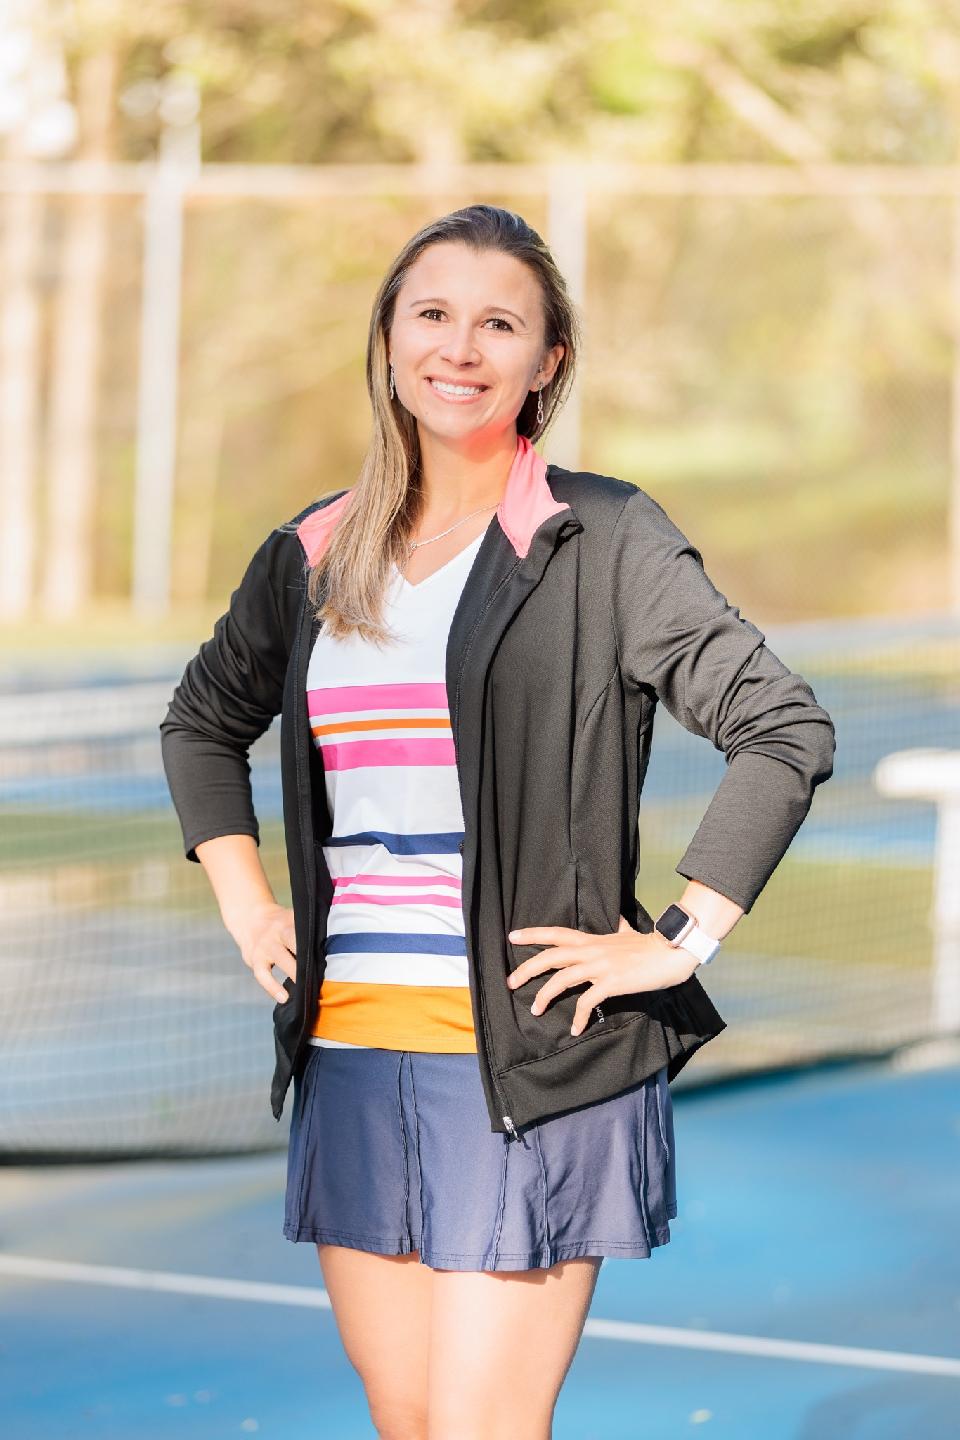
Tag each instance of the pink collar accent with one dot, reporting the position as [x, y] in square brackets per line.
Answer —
[527, 502]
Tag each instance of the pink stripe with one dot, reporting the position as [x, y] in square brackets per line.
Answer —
[454, 901]
[356, 753]
[401, 880]
[340, 699]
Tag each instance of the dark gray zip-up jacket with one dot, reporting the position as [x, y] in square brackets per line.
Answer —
[585, 605]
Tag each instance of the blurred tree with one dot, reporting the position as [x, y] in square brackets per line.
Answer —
[342, 81]
[360, 80]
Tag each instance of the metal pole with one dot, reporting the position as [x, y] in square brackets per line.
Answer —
[567, 237]
[176, 169]
[953, 502]
[946, 919]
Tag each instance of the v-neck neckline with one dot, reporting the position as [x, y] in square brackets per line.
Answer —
[441, 569]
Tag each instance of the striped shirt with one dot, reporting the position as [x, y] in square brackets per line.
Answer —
[396, 961]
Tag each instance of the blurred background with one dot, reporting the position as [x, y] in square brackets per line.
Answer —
[757, 209]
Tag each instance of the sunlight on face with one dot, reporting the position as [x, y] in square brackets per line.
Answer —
[474, 320]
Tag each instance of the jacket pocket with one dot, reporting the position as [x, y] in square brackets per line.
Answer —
[580, 906]
[288, 1016]
[593, 913]
[598, 914]
[535, 1036]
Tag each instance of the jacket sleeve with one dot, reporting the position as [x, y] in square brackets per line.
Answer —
[677, 635]
[228, 696]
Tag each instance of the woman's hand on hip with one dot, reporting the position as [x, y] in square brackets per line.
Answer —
[267, 937]
[621, 963]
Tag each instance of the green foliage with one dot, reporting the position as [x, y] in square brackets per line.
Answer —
[351, 80]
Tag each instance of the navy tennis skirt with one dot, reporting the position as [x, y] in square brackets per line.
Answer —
[391, 1151]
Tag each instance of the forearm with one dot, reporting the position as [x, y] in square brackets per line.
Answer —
[715, 912]
[232, 865]
[754, 814]
[679, 637]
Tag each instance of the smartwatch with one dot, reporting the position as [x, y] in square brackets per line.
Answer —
[680, 928]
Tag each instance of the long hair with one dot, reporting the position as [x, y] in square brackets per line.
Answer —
[346, 586]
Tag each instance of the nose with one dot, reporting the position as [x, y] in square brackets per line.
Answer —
[459, 347]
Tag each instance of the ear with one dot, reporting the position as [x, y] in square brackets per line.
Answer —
[550, 361]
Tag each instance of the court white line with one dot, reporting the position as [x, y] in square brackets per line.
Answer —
[774, 1349]
[262, 1293]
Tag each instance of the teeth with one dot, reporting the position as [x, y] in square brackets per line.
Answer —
[456, 389]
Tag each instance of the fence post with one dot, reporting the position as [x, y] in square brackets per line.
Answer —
[177, 165]
[567, 238]
[932, 774]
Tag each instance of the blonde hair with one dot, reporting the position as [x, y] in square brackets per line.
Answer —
[346, 586]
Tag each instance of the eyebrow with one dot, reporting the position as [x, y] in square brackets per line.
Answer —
[439, 300]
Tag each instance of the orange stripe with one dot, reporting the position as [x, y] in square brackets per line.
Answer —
[397, 1017]
[437, 722]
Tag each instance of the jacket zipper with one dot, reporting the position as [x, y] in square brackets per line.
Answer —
[484, 1038]
[511, 1128]
[303, 798]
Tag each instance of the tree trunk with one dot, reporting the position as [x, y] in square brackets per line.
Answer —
[21, 218]
[75, 366]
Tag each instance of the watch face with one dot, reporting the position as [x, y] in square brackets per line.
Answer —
[672, 922]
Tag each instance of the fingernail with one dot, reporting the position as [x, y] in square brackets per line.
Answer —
[512, 935]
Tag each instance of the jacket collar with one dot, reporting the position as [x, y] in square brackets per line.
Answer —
[527, 501]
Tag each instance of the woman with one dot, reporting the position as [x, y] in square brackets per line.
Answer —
[479, 1018]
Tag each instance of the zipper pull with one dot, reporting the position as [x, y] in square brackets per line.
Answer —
[511, 1127]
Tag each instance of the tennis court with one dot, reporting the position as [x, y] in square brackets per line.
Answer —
[812, 1286]
[158, 1298]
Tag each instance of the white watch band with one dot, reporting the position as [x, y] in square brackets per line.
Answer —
[699, 943]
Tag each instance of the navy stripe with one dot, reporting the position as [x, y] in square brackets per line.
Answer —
[443, 842]
[381, 942]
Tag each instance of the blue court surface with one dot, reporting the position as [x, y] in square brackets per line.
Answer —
[811, 1289]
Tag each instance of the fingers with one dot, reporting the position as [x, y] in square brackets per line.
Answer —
[273, 945]
[534, 934]
[280, 956]
[538, 965]
[585, 1004]
[563, 980]
[571, 953]
[264, 977]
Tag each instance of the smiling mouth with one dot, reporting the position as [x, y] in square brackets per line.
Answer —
[453, 391]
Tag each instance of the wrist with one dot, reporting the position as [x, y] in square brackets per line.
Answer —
[682, 963]
[679, 928]
[239, 919]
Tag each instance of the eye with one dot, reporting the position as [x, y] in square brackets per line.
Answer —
[499, 318]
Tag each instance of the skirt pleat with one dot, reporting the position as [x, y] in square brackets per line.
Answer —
[391, 1151]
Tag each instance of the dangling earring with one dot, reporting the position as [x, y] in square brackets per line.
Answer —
[392, 386]
[540, 403]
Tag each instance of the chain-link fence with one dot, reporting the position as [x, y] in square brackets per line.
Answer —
[773, 356]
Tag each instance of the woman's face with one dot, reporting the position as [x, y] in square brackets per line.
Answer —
[474, 319]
